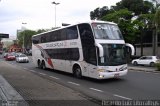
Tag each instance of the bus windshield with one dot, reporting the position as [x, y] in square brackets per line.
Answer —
[106, 31]
[114, 54]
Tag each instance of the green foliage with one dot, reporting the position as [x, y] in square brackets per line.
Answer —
[116, 16]
[134, 17]
[158, 66]
[147, 20]
[157, 18]
[41, 30]
[137, 6]
[24, 37]
[99, 12]
[128, 27]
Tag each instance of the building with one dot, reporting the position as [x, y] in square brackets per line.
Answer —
[15, 48]
[1, 47]
[144, 45]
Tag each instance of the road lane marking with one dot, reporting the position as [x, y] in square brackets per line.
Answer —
[96, 89]
[42, 74]
[156, 73]
[53, 77]
[135, 71]
[122, 97]
[32, 71]
[73, 83]
[25, 68]
[148, 72]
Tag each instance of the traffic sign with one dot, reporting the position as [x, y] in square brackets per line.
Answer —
[2, 35]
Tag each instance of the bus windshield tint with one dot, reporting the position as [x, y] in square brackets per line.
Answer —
[106, 31]
[114, 54]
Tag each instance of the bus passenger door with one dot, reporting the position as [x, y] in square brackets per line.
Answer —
[90, 60]
[88, 49]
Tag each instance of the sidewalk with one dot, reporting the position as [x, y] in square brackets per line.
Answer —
[143, 68]
[39, 91]
[9, 95]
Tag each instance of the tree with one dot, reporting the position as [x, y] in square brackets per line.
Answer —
[7, 44]
[99, 12]
[137, 6]
[156, 25]
[144, 27]
[123, 19]
[24, 38]
[134, 17]
[41, 30]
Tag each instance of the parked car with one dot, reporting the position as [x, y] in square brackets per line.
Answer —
[146, 60]
[9, 57]
[5, 54]
[1, 51]
[22, 58]
[18, 53]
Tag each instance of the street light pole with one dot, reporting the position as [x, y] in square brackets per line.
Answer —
[55, 10]
[24, 38]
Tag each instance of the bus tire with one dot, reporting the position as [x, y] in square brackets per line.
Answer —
[39, 63]
[77, 72]
[43, 65]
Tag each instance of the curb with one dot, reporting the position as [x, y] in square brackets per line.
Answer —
[144, 70]
[9, 96]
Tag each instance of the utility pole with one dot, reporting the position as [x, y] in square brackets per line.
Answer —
[55, 10]
[24, 38]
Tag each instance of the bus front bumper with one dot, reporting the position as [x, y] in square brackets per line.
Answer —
[107, 75]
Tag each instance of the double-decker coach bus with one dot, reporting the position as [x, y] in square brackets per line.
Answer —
[94, 49]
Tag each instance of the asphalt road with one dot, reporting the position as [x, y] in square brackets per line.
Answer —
[136, 85]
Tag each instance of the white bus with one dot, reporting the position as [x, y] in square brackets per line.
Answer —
[94, 49]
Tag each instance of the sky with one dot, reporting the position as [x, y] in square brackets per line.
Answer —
[40, 14]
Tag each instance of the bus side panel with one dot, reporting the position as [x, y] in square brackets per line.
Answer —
[36, 54]
[69, 66]
[59, 64]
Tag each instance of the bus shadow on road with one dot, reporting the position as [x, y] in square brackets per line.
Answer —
[101, 81]
[104, 81]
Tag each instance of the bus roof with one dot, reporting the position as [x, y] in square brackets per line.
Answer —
[89, 22]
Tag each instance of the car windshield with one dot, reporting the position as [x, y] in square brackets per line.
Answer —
[114, 54]
[106, 31]
[22, 55]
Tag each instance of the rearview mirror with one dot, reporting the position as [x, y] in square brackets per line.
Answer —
[132, 48]
[100, 48]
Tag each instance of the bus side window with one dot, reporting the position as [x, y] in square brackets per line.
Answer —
[48, 36]
[35, 40]
[53, 36]
[72, 33]
[63, 34]
[86, 34]
[43, 39]
[87, 40]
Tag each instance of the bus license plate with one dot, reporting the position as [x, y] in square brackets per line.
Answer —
[116, 75]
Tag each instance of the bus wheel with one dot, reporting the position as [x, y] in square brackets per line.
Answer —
[43, 65]
[39, 64]
[77, 72]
